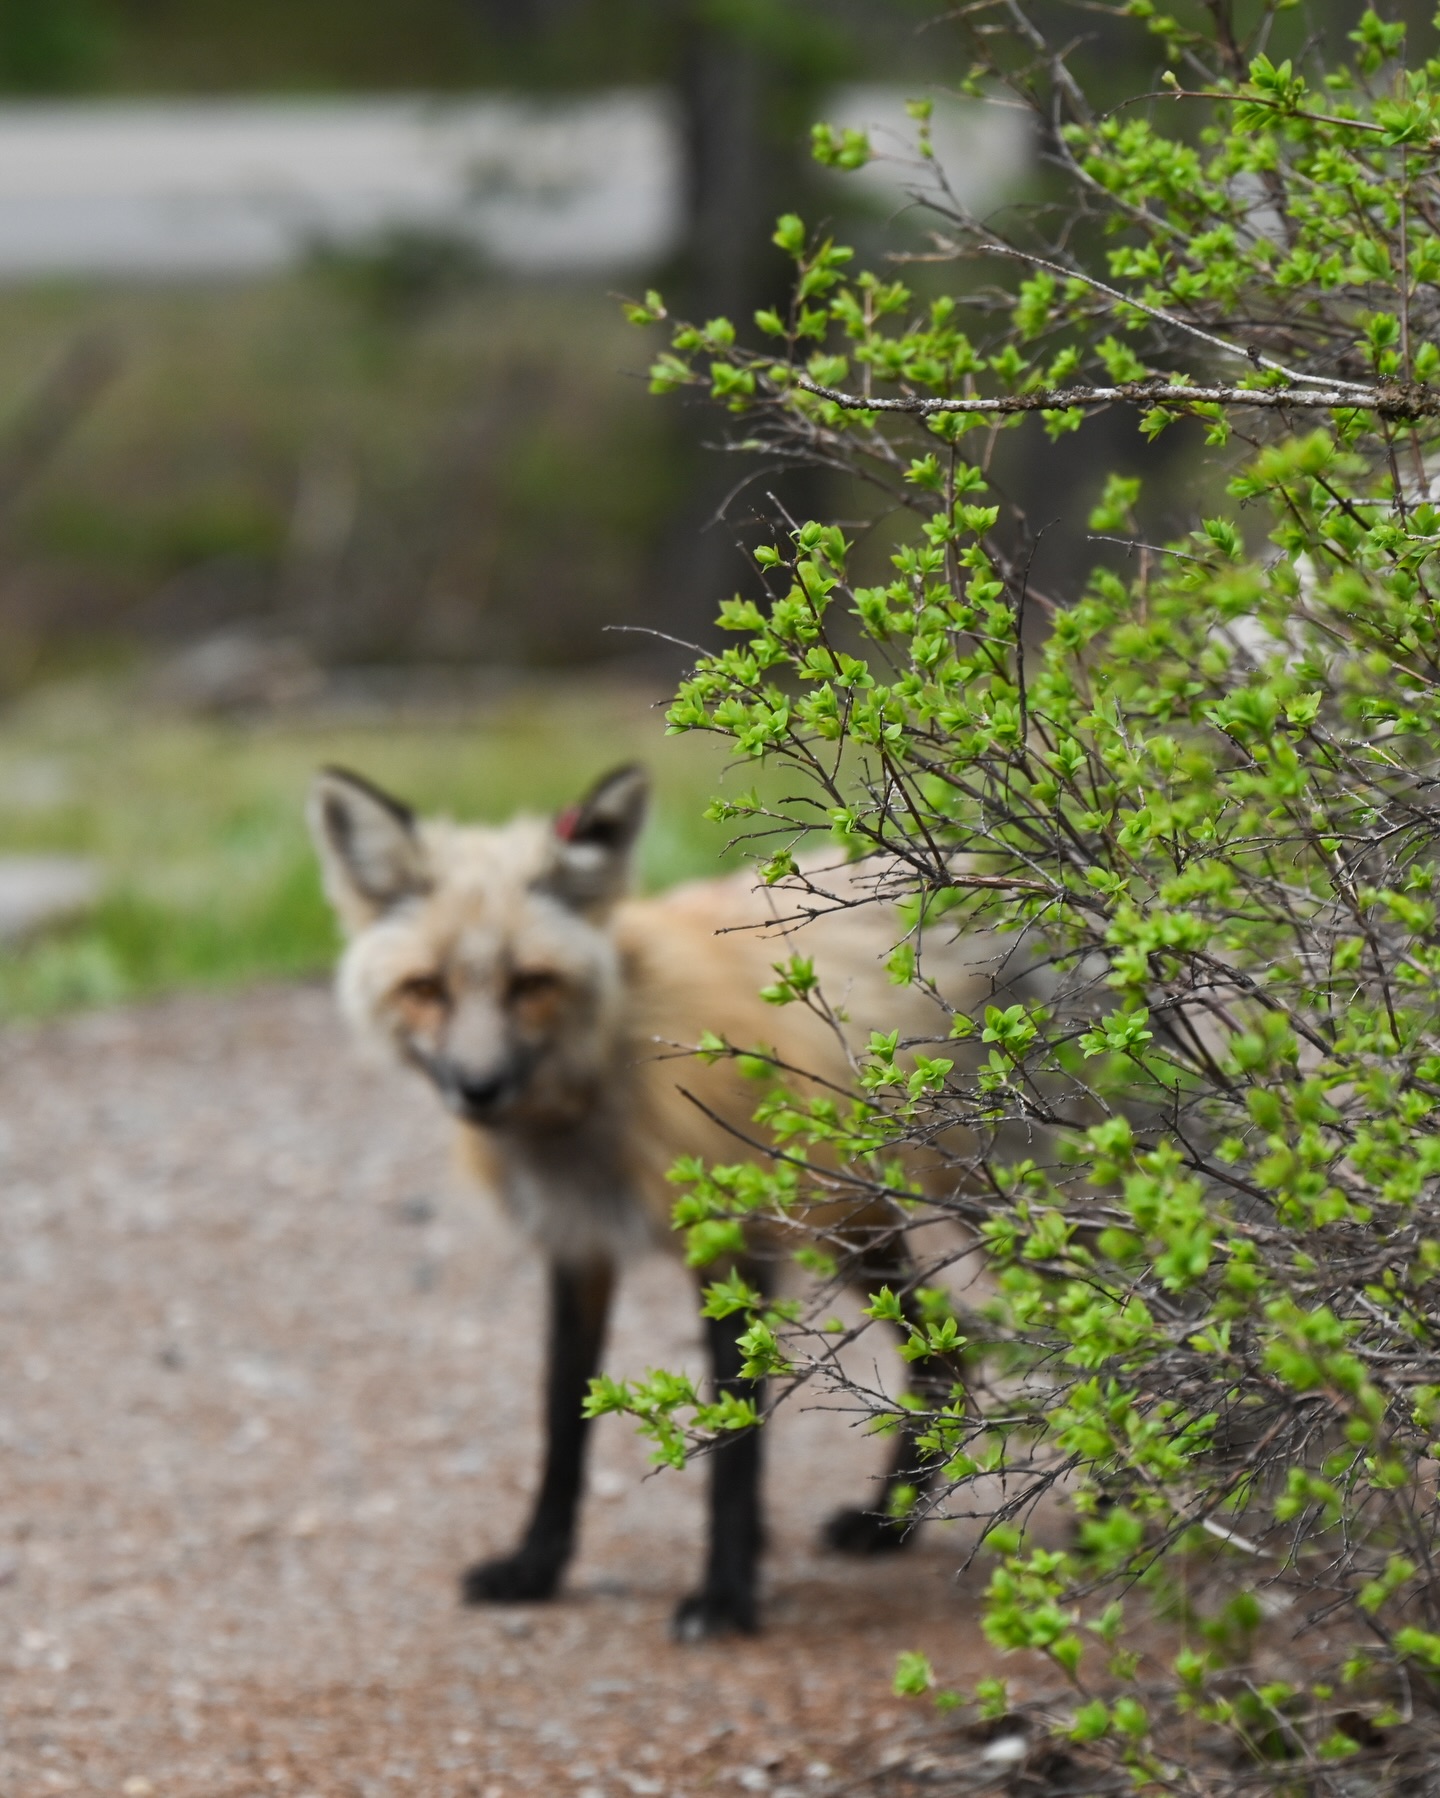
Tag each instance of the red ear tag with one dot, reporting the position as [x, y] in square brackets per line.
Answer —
[566, 821]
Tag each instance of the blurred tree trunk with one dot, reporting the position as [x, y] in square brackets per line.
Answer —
[733, 169]
[743, 103]
[744, 73]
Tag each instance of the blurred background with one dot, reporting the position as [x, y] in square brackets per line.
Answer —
[322, 438]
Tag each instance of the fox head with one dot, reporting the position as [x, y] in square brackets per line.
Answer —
[482, 955]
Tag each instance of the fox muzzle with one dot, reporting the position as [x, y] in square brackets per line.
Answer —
[479, 1095]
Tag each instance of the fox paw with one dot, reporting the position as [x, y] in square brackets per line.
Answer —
[705, 1615]
[509, 1579]
[857, 1532]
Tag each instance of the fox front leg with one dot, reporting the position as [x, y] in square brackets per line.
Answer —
[726, 1602]
[878, 1528]
[579, 1307]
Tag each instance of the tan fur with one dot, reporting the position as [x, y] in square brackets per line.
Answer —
[697, 967]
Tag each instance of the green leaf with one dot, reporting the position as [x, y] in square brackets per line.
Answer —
[913, 1675]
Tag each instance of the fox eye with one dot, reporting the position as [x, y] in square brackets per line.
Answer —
[423, 989]
[530, 983]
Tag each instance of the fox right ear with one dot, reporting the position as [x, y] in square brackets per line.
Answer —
[593, 839]
[368, 846]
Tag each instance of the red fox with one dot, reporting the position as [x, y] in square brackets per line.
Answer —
[508, 966]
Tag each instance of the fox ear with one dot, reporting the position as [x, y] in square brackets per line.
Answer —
[368, 847]
[593, 839]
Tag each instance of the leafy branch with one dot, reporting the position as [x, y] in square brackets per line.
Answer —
[1198, 806]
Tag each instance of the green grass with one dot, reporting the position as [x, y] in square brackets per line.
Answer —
[209, 879]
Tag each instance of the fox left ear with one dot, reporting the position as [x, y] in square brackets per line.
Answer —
[593, 839]
[370, 852]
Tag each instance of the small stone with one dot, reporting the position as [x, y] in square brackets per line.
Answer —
[137, 1786]
[254, 1523]
[1006, 1751]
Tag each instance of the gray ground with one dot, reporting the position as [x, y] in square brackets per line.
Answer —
[267, 1381]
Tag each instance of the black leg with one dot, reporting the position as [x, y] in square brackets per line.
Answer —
[873, 1529]
[579, 1306]
[725, 1604]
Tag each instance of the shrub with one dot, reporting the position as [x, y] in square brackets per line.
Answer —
[1200, 799]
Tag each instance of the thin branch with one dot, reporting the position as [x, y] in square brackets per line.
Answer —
[1389, 399]
[1291, 112]
[1158, 549]
[995, 247]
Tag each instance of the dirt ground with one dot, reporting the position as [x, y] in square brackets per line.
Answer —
[268, 1381]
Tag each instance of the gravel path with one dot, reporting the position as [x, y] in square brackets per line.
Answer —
[268, 1380]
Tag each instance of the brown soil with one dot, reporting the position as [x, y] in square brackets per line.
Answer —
[268, 1381]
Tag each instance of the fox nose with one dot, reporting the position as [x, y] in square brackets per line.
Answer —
[478, 1092]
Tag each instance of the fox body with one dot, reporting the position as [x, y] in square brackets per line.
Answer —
[550, 1011]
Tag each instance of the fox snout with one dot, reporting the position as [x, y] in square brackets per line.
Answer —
[479, 1095]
